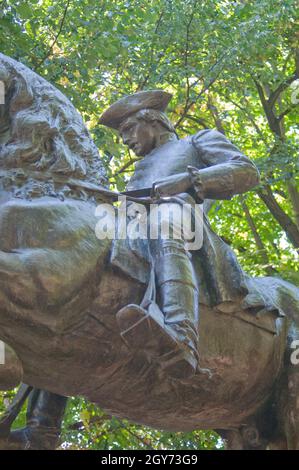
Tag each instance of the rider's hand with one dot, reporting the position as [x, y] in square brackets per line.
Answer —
[197, 184]
[174, 184]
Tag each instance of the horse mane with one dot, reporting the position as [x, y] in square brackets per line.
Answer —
[41, 133]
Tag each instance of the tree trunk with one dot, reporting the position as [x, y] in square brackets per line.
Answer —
[282, 218]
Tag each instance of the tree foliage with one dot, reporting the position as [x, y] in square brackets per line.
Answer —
[233, 65]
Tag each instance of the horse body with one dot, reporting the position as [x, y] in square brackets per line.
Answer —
[59, 297]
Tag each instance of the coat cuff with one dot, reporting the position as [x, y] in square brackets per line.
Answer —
[213, 182]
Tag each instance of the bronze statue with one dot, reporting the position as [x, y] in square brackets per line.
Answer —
[62, 290]
[203, 166]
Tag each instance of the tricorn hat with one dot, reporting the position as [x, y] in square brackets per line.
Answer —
[123, 108]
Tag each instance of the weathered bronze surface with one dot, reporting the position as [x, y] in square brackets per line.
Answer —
[61, 288]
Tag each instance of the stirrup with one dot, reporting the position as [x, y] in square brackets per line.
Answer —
[139, 329]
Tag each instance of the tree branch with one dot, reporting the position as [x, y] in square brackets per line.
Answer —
[215, 113]
[250, 118]
[258, 241]
[125, 166]
[261, 93]
[202, 122]
[276, 93]
[285, 112]
[294, 197]
[281, 217]
[186, 56]
[150, 62]
[273, 121]
[56, 37]
[204, 89]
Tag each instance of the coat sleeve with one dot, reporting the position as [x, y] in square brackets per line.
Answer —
[227, 171]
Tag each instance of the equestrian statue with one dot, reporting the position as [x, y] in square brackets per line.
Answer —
[162, 331]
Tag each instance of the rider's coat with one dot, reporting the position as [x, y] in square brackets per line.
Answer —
[224, 172]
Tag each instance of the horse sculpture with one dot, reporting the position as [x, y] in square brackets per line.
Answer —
[59, 295]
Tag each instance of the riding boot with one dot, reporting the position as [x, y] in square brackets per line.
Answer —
[173, 327]
[44, 417]
[179, 301]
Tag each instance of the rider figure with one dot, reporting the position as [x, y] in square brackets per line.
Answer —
[202, 166]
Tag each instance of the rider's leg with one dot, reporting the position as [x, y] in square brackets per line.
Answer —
[176, 326]
[178, 300]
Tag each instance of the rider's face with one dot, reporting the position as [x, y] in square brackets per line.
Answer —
[138, 135]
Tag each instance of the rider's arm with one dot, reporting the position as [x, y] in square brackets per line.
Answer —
[227, 171]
